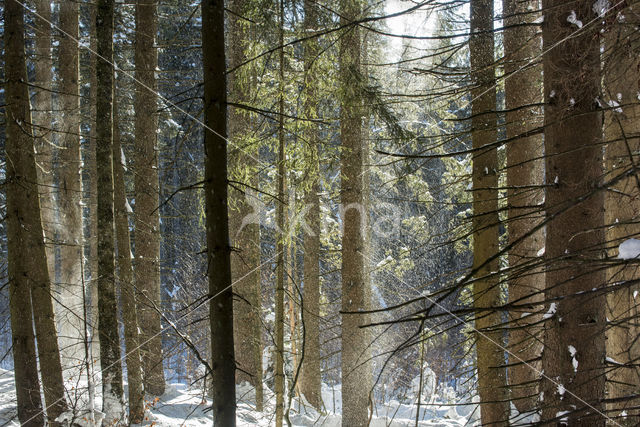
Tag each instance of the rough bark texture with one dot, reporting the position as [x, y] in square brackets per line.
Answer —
[573, 163]
[622, 134]
[18, 144]
[355, 369]
[280, 243]
[218, 248]
[42, 108]
[126, 280]
[492, 387]
[245, 236]
[525, 170]
[112, 392]
[311, 378]
[92, 238]
[147, 214]
[70, 284]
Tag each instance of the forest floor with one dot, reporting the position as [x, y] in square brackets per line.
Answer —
[185, 406]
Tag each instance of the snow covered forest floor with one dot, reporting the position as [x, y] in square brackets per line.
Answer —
[186, 406]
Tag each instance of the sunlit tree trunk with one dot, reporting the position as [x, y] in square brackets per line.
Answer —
[19, 144]
[126, 279]
[43, 128]
[622, 202]
[244, 233]
[71, 240]
[311, 378]
[525, 195]
[355, 367]
[112, 392]
[147, 214]
[575, 325]
[492, 387]
[216, 201]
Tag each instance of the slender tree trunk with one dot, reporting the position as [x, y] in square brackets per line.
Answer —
[525, 169]
[43, 130]
[280, 242]
[70, 320]
[112, 393]
[355, 367]
[622, 134]
[126, 279]
[18, 144]
[311, 378]
[147, 214]
[92, 239]
[245, 237]
[574, 237]
[492, 387]
[216, 200]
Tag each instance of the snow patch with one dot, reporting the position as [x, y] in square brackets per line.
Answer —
[573, 19]
[552, 310]
[629, 249]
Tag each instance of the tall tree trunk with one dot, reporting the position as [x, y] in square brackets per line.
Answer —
[492, 387]
[92, 238]
[126, 278]
[279, 382]
[70, 289]
[18, 144]
[24, 220]
[355, 367]
[245, 237]
[216, 201]
[622, 134]
[147, 214]
[574, 237]
[112, 393]
[43, 130]
[525, 169]
[311, 378]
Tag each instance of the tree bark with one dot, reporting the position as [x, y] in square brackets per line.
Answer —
[245, 237]
[112, 393]
[492, 387]
[355, 367]
[126, 280]
[525, 169]
[216, 200]
[622, 203]
[574, 237]
[18, 144]
[279, 380]
[147, 214]
[70, 195]
[43, 128]
[311, 378]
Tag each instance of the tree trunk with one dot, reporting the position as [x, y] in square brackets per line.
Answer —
[355, 366]
[92, 239]
[18, 144]
[311, 378]
[525, 169]
[622, 133]
[112, 393]
[147, 214]
[216, 201]
[245, 237]
[126, 279]
[492, 387]
[43, 130]
[279, 382]
[574, 237]
[70, 285]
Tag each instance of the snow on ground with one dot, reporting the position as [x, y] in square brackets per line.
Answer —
[188, 407]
